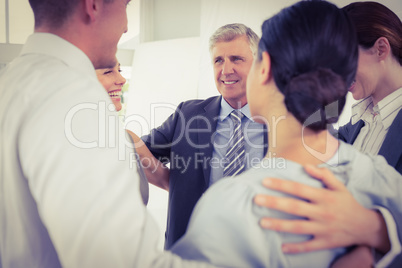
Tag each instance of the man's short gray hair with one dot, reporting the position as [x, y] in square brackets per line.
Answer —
[229, 32]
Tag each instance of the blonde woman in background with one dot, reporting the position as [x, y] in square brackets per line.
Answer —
[112, 80]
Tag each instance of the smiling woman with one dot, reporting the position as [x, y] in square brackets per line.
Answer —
[113, 82]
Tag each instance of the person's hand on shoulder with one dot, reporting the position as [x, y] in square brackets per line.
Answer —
[333, 217]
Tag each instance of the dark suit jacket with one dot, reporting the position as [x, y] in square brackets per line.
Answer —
[391, 149]
[185, 141]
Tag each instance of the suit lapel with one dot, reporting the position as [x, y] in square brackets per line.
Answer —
[265, 140]
[211, 113]
[355, 131]
[391, 149]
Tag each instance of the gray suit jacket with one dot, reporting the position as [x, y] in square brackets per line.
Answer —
[391, 149]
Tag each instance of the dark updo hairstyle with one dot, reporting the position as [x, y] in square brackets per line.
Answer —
[373, 20]
[313, 50]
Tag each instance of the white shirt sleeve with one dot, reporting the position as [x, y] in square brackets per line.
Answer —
[86, 186]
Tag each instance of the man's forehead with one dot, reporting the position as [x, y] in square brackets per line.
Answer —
[231, 48]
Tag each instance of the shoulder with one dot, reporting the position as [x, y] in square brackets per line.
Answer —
[350, 158]
[45, 83]
[369, 169]
[241, 189]
[228, 193]
[349, 154]
[197, 104]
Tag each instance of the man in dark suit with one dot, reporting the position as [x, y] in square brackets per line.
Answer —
[195, 138]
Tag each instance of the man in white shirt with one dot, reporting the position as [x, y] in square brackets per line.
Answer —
[68, 197]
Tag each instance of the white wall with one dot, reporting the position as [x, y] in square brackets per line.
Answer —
[176, 19]
[164, 74]
[3, 20]
[20, 12]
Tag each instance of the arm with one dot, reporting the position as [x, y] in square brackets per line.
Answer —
[359, 257]
[154, 149]
[336, 219]
[155, 171]
[88, 200]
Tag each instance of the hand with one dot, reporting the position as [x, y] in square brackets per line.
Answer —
[359, 257]
[155, 171]
[334, 217]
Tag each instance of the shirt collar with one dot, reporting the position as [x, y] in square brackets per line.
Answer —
[55, 46]
[387, 108]
[361, 109]
[226, 109]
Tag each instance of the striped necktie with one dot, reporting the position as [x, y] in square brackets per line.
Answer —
[236, 154]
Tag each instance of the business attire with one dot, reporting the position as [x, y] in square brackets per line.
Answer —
[227, 211]
[69, 194]
[377, 129]
[194, 140]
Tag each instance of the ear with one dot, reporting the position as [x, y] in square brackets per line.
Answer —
[92, 8]
[265, 71]
[382, 48]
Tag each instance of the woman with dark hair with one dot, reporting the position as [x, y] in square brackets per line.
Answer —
[298, 84]
[376, 123]
[374, 128]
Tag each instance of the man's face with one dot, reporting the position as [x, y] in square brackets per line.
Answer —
[231, 62]
[112, 25]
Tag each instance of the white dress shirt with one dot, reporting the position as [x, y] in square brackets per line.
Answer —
[69, 188]
[377, 118]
